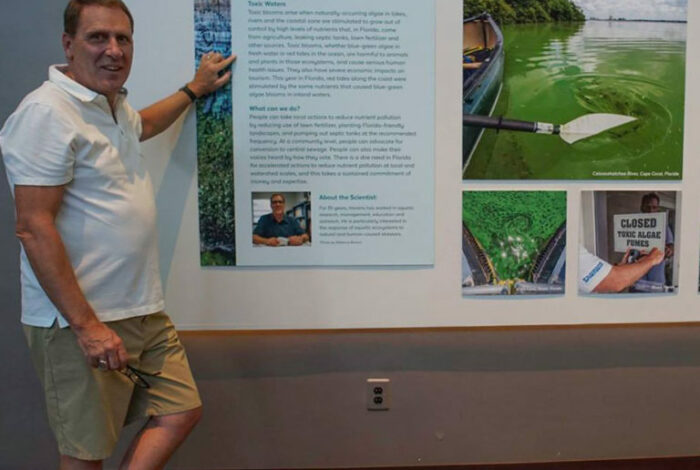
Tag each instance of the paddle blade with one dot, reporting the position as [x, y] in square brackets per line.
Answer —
[590, 125]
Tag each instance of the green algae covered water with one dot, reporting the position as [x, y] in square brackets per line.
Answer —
[513, 226]
[558, 72]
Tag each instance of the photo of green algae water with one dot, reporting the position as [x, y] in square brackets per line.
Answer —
[628, 61]
[514, 242]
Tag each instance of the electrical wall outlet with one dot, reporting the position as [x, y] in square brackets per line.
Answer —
[378, 396]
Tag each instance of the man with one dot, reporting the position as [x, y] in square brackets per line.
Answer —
[650, 204]
[277, 228]
[598, 276]
[91, 295]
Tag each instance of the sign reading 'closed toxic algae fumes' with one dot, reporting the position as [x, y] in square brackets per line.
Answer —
[639, 231]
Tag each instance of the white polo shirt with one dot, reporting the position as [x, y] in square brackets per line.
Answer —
[591, 270]
[65, 134]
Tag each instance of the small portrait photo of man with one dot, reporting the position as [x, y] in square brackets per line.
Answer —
[281, 218]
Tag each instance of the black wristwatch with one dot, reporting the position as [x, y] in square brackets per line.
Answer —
[186, 90]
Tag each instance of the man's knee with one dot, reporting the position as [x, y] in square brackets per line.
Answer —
[182, 422]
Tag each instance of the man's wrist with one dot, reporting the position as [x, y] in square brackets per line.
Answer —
[85, 321]
[189, 92]
[197, 88]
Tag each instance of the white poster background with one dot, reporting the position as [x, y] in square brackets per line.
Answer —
[282, 23]
[395, 297]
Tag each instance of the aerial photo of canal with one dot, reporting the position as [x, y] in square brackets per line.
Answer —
[513, 242]
[626, 58]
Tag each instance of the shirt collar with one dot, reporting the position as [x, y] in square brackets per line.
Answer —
[58, 77]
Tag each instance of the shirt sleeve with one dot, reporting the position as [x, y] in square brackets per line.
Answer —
[134, 118]
[260, 227]
[591, 270]
[37, 147]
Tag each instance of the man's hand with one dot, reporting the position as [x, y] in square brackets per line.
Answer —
[208, 79]
[272, 241]
[654, 257]
[668, 252]
[102, 347]
[626, 258]
[622, 276]
[297, 240]
[159, 116]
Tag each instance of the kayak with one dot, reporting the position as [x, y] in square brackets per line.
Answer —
[482, 74]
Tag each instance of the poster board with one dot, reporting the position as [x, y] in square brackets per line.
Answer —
[388, 296]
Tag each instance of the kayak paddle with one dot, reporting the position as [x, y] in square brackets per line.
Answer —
[580, 128]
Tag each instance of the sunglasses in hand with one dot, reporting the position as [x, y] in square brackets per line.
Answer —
[137, 376]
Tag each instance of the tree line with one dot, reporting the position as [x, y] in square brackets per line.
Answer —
[525, 11]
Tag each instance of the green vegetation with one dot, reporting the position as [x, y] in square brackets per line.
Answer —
[525, 11]
[215, 174]
[513, 226]
[213, 258]
[212, 20]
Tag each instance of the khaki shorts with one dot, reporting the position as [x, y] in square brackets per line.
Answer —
[87, 408]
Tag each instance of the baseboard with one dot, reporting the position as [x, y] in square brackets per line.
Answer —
[666, 463]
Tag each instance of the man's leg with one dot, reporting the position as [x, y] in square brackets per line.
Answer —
[70, 463]
[159, 438]
[172, 401]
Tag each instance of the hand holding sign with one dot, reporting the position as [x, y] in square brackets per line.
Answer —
[654, 257]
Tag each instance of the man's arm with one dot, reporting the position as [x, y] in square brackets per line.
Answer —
[300, 236]
[624, 275]
[262, 229]
[296, 240]
[159, 116]
[37, 207]
[259, 240]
